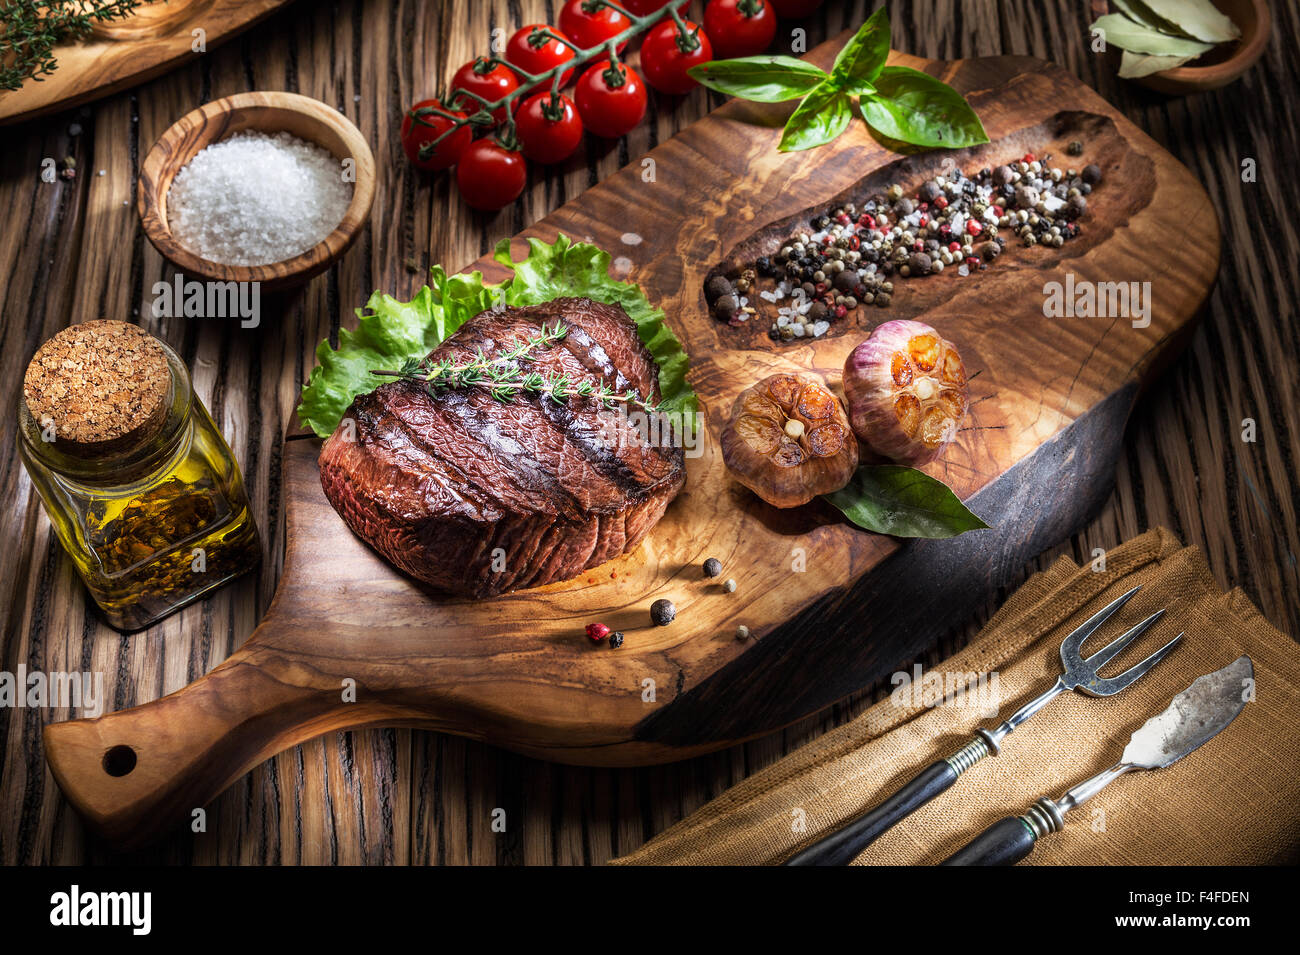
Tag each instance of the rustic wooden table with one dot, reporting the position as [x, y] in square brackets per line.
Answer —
[72, 251]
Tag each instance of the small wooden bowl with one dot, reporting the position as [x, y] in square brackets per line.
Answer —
[1226, 62]
[268, 112]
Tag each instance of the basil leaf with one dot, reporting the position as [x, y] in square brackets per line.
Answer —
[764, 79]
[916, 108]
[824, 114]
[1130, 35]
[863, 56]
[903, 502]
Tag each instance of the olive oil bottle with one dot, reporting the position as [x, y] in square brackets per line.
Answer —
[142, 490]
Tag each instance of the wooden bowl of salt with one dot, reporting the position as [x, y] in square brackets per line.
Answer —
[211, 231]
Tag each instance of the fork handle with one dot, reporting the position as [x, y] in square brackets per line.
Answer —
[843, 845]
[1005, 842]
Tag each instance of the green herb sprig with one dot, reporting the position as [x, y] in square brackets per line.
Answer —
[896, 101]
[31, 29]
[502, 376]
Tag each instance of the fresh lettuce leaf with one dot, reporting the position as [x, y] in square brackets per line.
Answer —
[390, 331]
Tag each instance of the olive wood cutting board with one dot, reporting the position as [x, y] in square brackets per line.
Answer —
[120, 53]
[1050, 398]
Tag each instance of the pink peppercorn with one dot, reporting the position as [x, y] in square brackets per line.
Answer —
[597, 631]
[941, 203]
[840, 311]
[974, 228]
[954, 246]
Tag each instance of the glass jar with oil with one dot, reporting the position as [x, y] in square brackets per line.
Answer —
[143, 492]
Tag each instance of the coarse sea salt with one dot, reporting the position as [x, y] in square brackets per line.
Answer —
[256, 198]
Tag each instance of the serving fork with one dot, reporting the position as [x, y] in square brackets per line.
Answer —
[1077, 673]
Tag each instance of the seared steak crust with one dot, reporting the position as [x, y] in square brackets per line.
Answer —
[477, 496]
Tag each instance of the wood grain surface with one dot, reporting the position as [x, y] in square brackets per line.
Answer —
[73, 250]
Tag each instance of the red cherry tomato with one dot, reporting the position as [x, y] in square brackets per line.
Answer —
[420, 127]
[483, 78]
[665, 61]
[794, 8]
[538, 59]
[739, 27]
[611, 100]
[645, 7]
[589, 26]
[491, 176]
[548, 131]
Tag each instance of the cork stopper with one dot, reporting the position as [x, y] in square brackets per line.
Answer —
[103, 384]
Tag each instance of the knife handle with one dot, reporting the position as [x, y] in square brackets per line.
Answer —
[843, 846]
[1005, 842]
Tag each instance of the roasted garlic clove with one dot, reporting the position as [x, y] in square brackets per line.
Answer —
[789, 440]
[907, 392]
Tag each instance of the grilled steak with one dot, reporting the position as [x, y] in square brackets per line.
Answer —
[478, 496]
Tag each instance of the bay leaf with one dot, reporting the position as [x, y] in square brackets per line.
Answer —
[1139, 11]
[1197, 18]
[1130, 35]
[1133, 65]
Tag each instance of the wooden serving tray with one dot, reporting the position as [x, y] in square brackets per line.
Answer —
[126, 52]
[1050, 400]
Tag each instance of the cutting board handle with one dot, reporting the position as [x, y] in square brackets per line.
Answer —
[135, 772]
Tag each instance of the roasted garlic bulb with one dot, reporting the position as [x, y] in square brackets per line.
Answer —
[789, 440]
[906, 391]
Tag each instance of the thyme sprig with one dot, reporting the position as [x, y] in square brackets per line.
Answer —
[31, 29]
[503, 376]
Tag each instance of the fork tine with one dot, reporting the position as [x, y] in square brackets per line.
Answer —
[1114, 684]
[1112, 649]
[1071, 644]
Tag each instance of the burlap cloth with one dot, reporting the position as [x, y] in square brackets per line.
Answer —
[1236, 800]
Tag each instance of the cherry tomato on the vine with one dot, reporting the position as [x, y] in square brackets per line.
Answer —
[611, 99]
[644, 7]
[548, 127]
[484, 78]
[421, 126]
[667, 54]
[590, 23]
[739, 27]
[491, 176]
[549, 52]
[795, 8]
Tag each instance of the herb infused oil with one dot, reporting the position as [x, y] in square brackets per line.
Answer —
[143, 492]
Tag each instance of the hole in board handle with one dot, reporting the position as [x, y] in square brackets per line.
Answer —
[119, 760]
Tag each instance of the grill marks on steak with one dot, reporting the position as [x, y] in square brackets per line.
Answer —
[437, 484]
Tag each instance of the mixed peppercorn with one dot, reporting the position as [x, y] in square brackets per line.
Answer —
[850, 256]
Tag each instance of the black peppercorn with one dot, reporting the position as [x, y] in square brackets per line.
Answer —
[1074, 149]
[764, 265]
[712, 567]
[845, 281]
[662, 612]
[616, 639]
